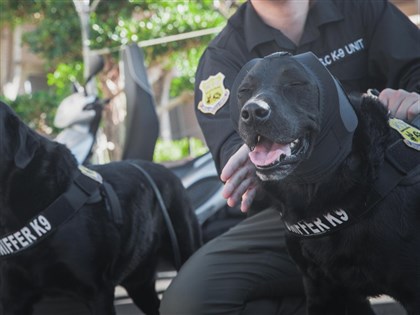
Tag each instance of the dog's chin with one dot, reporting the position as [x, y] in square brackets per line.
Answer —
[275, 161]
[276, 172]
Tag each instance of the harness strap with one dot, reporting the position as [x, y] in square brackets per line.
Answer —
[112, 204]
[393, 170]
[166, 217]
[105, 193]
[72, 200]
[401, 163]
[57, 213]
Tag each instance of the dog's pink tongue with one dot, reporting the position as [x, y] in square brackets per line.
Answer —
[267, 153]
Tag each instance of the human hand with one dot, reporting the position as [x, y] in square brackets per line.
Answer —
[400, 103]
[240, 179]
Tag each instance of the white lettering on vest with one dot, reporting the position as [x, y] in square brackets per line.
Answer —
[319, 225]
[342, 52]
[23, 238]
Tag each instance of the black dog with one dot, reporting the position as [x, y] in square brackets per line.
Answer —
[346, 184]
[61, 231]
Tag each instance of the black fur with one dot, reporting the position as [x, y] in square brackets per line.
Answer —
[380, 253]
[88, 255]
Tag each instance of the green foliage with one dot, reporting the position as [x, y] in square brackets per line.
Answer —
[14, 12]
[35, 109]
[63, 76]
[114, 23]
[54, 38]
[186, 62]
[150, 19]
[176, 150]
[57, 38]
[57, 34]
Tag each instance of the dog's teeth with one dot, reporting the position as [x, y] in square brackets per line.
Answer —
[258, 139]
[294, 143]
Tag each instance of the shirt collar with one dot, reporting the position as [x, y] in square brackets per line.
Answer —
[258, 32]
[321, 12]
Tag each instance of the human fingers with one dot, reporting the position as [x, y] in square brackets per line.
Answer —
[248, 198]
[242, 177]
[409, 107]
[400, 103]
[238, 193]
[414, 109]
[235, 162]
[390, 98]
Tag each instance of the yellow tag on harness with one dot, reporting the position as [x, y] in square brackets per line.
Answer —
[410, 134]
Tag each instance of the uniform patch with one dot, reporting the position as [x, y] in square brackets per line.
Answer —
[410, 134]
[215, 95]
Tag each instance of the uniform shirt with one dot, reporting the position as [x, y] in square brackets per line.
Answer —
[365, 44]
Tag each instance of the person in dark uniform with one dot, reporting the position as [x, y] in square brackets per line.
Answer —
[365, 44]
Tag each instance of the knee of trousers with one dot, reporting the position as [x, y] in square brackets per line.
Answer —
[225, 272]
[185, 294]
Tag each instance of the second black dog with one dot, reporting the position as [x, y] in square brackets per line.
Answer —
[347, 184]
[62, 232]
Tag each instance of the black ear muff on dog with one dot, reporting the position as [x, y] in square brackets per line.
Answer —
[18, 142]
[331, 92]
[338, 121]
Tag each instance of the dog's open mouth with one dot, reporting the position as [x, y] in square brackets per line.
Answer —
[268, 155]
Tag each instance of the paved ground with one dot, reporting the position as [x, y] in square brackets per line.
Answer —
[124, 306]
[382, 306]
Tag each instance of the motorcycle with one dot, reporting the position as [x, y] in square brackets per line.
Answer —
[79, 116]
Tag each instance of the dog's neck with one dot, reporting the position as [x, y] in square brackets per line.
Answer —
[32, 189]
[297, 201]
[308, 201]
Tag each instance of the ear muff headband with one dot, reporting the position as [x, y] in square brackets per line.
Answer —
[330, 90]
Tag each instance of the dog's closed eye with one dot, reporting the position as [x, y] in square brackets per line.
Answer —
[244, 92]
[295, 84]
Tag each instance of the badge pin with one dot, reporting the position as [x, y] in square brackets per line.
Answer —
[215, 95]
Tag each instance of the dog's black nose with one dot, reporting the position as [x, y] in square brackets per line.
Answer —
[255, 112]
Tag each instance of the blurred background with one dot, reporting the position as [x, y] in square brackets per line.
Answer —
[45, 43]
[44, 46]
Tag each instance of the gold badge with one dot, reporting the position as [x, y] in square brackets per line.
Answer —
[215, 94]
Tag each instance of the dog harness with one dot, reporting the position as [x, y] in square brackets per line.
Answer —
[87, 187]
[400, 166]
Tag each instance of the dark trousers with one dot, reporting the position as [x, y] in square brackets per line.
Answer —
[246, 270]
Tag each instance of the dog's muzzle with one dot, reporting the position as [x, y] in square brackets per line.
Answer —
[255, 112]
